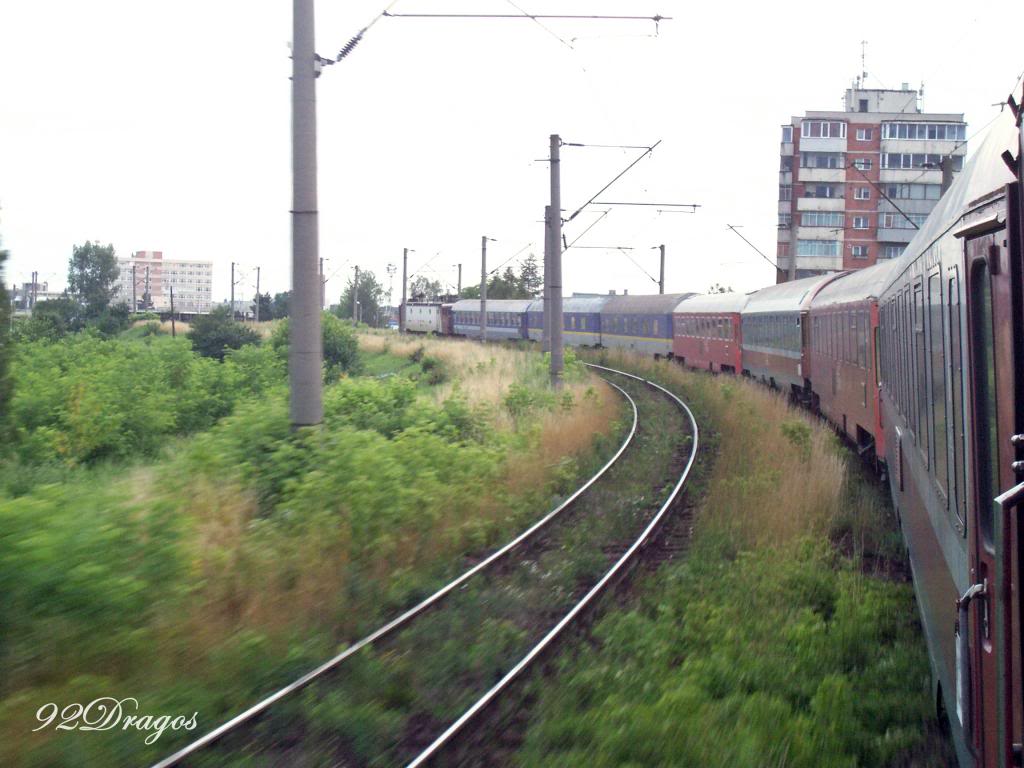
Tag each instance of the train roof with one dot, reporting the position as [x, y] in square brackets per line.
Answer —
[867, 283]
[493, 305]
[793, 296]
[714, 302]
[653, 304]
[577, 304]
[985, 172]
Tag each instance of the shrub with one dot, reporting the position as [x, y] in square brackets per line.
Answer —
[214, 334]
[340, 347]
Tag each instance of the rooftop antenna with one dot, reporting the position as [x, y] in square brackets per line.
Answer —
[863, 64]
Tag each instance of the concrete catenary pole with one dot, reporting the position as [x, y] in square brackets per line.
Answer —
[483, 289]
[355, 299]
[661, 274]
[405, 282]
[458, 289]
[174, 331]
[557, 351]
[545, 344]
[232, 290]
[946, 164]
[305, 352]
[147, 298]
[135, 303]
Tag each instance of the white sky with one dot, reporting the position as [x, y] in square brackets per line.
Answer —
[165, 126]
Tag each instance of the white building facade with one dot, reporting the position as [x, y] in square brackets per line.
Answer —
[150, 278]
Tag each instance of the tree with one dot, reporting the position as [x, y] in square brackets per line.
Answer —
[92, 272]
[423, 289]
[531, 281]
[340, 346]
[266, 306]
[52, 319]
[718, 288]
[213, 334]
[370, 295]
[282, 304]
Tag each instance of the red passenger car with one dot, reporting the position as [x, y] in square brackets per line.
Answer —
[706, 332]
[843, 355]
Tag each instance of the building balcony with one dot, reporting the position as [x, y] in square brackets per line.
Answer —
[785, 178]
[783, 236]
[820, 204]
[786, 148]
[908, 175]
[819, 233]
[819, 262]
[928, 146]
[832, 175]
[896, 235]
[822, 145]
[907, 206]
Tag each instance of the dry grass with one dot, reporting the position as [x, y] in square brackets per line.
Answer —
[778, 475]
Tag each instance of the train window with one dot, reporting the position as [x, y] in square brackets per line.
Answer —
[655, 329]
[583, 323]
[645, 328]
[958, 475]
[984, 398]
[921, 371]
[862, 339]
[937, 349]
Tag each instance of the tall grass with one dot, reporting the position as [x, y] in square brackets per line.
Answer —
[779, 641]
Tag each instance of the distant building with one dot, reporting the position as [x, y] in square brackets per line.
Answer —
[27, 295]
[153, 278]
[838, 168]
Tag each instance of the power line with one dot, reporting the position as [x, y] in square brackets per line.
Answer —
[648, 151]
[506, 261]
[637, 265]
[657, 18]
[667, 205]
[592, 225]
[736, 230]
[563, 42]
[882, 193]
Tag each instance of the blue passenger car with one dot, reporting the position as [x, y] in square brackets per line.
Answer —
[506, 318]
[581, 320]
[643, 323]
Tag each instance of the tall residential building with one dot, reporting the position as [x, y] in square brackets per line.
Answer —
[154, 276]
[855, 185]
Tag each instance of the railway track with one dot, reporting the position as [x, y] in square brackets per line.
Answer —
[525, 594]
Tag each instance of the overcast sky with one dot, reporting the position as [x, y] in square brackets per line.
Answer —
[165, 126]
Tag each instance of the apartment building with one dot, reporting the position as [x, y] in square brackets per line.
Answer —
[855, 185]
[149, 277]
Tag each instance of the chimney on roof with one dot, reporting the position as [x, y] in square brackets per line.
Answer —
[611, 292]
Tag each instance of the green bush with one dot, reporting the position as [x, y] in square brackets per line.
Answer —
[340, 346]
[214, 334]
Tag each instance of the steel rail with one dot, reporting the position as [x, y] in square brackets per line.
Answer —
[513, 673]
[404, 618]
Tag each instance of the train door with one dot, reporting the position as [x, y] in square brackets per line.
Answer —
[987, 612]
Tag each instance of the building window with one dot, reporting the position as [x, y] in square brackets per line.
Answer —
[785, 220]
[891, 220]
[924, 131]
[787, 134]
[785, 192]
[821, 190]
[864, 134]
[863, 105]
[821, 219]
[817, 247]
[821, 160]
[786, 163]
[862, 193]
[818, 129]
[902, 160]
[860, 222]
[890, 251]
[862, 163]
[860, 251]
[913, 191]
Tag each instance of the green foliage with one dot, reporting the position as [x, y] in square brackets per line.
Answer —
[798, 432]
[777, 658]
[214, 334]
[51, 319]
[340, 346]
[5, 356]
[83, 399]
[92, 271]
[509, 285]
[282, 305]
[371, 295]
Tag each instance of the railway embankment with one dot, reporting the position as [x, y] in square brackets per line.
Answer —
[788, 635]
[193, 570]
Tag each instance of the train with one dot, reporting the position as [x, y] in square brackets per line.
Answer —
[919, 362]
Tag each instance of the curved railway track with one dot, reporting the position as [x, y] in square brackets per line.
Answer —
[553, 533]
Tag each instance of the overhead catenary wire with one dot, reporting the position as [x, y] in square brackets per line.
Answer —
[550, 32]
[759, 251]
[648, 151]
